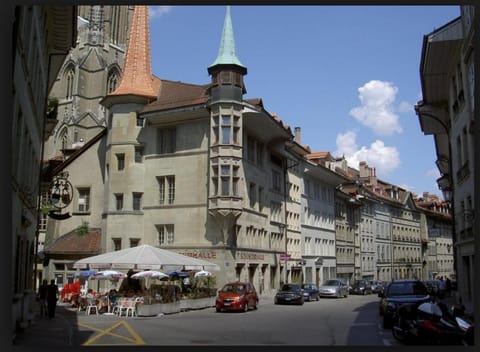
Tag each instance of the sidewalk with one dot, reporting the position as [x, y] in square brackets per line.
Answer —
[45, 333]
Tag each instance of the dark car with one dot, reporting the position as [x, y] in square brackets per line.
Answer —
[310, 292]
[238, 296]
[375, 285]
[289, 294]
[399, 292]
[361, 287]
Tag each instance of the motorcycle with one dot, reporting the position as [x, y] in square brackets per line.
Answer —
[431, 323]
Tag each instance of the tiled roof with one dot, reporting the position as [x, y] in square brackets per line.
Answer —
[177, 94]
[72, 243]
[137, 76]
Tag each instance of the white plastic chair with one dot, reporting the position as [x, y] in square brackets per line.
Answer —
[91, 306]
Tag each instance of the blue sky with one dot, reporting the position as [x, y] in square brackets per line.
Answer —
[347, 75]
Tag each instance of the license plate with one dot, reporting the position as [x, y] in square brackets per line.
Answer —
[226, 304]
[288, 299]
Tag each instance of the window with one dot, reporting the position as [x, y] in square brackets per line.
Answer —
[138, 154]
[252, 195]
[137, 201]
[120, 162]
[226, 128]
[112, 81]
[117, 244]
[70, 76]
[140, 121]
[260, 198]
[166, 183]
[165, 234]
[276, 181]
[84, 199]
[134, 242]
[225, 179]
[166, 140]
[119, 201]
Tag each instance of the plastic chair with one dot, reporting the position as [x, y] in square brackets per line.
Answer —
[91, 306]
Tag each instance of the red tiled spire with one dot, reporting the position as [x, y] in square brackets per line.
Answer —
[137, 72]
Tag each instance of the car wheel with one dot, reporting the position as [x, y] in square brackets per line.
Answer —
[255, 307]
[218, 310]
[245, 309]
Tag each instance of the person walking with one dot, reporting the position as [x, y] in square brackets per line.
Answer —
[42, 297]
[52, 298]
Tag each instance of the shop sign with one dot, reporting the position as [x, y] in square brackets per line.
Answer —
[201, 254]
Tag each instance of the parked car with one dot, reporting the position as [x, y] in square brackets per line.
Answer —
[399, 292]
[240, 296]
[375, 285]
[333, 288]
[290, 294]
[310, 292]
[361, 287]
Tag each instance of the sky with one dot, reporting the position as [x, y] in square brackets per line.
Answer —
[348, 76]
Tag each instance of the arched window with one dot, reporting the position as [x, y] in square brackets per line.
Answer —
[69, 77]
[112, 81]
[63, 138]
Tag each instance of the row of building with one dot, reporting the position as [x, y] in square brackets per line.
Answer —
[129, 158]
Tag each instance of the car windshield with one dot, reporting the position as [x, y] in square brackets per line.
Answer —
[233, 288]
[331, 283]
[407, 288]
[307, 286]
[290, 288]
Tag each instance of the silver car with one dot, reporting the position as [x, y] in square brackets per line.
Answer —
[333, 288]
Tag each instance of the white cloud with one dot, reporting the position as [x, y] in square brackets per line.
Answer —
[405, 106]
[385, 159]
[158, 11]
[376, 110]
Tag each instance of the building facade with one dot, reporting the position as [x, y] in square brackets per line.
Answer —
[43, 35]
[447, 111]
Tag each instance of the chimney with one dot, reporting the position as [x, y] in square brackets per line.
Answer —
[297, 135]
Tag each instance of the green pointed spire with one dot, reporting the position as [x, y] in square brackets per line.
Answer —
[226, 53]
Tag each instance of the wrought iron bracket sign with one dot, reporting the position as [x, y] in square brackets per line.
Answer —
[61, 194]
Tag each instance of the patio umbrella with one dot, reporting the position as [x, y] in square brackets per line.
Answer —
[202, 273]
[85, 273]
[144, 257]
[149, 274]
[178, 273]
[111, 275]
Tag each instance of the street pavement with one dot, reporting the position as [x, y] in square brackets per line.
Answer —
[70, 330]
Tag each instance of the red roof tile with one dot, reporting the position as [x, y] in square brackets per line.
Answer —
[72, 243]
[137, 76]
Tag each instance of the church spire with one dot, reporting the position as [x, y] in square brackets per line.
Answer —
[226, 52]
[137, 77]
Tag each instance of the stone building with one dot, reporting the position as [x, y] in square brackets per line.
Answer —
[438, 220]
[447, 111]
[91, 69]
[42, 37]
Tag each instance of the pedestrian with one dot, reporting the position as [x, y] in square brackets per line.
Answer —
[52, 298]
[448, 285]
[42, 297]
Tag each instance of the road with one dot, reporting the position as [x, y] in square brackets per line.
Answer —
[352, 321]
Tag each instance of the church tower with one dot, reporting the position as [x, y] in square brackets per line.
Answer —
[91, 70]
[226, 191]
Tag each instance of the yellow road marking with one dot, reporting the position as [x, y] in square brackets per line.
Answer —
[136, 340]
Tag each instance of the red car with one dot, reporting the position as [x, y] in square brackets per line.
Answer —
[240, 296]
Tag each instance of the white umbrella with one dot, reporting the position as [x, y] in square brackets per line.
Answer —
[145, 257]
[203, 273]
[149, 274]
[108, 275]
